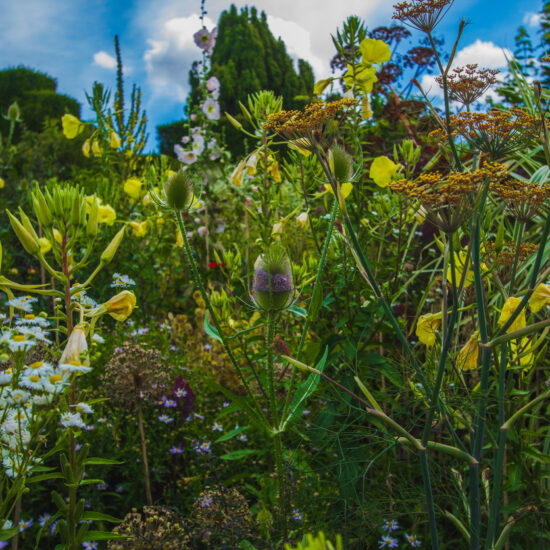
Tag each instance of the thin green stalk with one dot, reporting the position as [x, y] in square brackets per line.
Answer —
[213, 316]
[516, 258]
[428, 495]
[315, 291]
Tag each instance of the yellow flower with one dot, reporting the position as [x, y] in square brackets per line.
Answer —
[71, 126]
[345, 189]
[251, 164]
[96, 149]
[460, 261]
[383, 171]
[467, 356]
[300, 145]
[365, 77]
[132, 187]
[507, 309]
[106, 214]
[277, 228]
[366, 111]
[522, 350]
[273, 169]
[45, 245]
[374, 51]
[120, 307]
[540, 298]
[2, 183]
[139, 229]
[114, 140]
[238, 173]
[301, 220]
[426, 328]
[320, 86]
[86, 148]
[179, 239]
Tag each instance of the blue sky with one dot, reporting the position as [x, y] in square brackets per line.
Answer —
[72, 40]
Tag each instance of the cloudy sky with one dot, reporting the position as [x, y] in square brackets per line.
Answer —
[72, 40]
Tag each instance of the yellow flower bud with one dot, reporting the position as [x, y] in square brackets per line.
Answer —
[86, 148]
[96, 149]
[301, 220]
[111, 249]
[114, 140]
[45, 245]
[2, 183]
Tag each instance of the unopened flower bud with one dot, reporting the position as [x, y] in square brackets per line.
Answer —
[120, 307]
[178, 191]
[30, 244]
[13, 112]
[111, 249]
[91, 226]
[76, 348]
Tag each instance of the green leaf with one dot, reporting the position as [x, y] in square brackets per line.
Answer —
[231, 434]
[304, 390]
[98, 516]
[210, 330]
[7, 534]
[237, 455]
[97, 460]
[298, 311]
[316, 303]
[44, 477]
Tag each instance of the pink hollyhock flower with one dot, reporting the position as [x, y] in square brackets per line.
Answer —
[211, 109]
[206, 40]
[187, 157]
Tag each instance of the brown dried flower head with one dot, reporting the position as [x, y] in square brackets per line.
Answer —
[449, 199]
[136, 373]
[468, 84]
[522, 198]
[423, 15]
[497, 133]
[504, 257]
[308, 125]
[154, 528]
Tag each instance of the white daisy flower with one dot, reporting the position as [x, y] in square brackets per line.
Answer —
[24, 303]
[72, 420]
[84, 408]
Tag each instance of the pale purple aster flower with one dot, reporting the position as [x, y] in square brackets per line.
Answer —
[90, 545]
[413, 541]
[388, 542]
[217, 427]
[211, 109]
[390, 525]
[42, 520]
[3, 544]
[175, 450]
[24, 524]
[170, 404]
[203, 448]
[242, 437]
[296, 515]
[225, 404]
[165, 418]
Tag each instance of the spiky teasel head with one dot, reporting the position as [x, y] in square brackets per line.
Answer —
[273, 287]
[178, 191]
[340, 164]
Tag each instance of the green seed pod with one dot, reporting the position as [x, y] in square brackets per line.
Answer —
[13, 112]
[111, 249]
[30, 244]
[340, 164]
[273, 288]
[178, 191]
[27, 224]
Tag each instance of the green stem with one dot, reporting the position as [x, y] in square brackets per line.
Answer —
[315, 291]
[516, 258]
[213, 316]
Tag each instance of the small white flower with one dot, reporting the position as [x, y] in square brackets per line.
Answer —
[84, 408]
[97, 338]
[24, 303]
[72, 420]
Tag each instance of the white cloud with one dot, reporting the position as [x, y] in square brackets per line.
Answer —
[298, 43]
[103, 59]
[532, 19]
[170, 55]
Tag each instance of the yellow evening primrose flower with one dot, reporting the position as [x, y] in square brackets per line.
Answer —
[114, 140]
[86, 148]
[45, 245]
[71, 126]
[2, 183]
[366, 111]
[345, 189]
[468, 355]
[238, 173]
[460, 261]
[540, 298]
[132, 187]
[374, 51]
[301, 219]
[106, 214]
[273, 170]
[96, 149]
[251, 164]
[427, 327]
[120, 307]
[383, 170]
[139, 229]
[506, 312]
[365, 77]
[179, 239]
